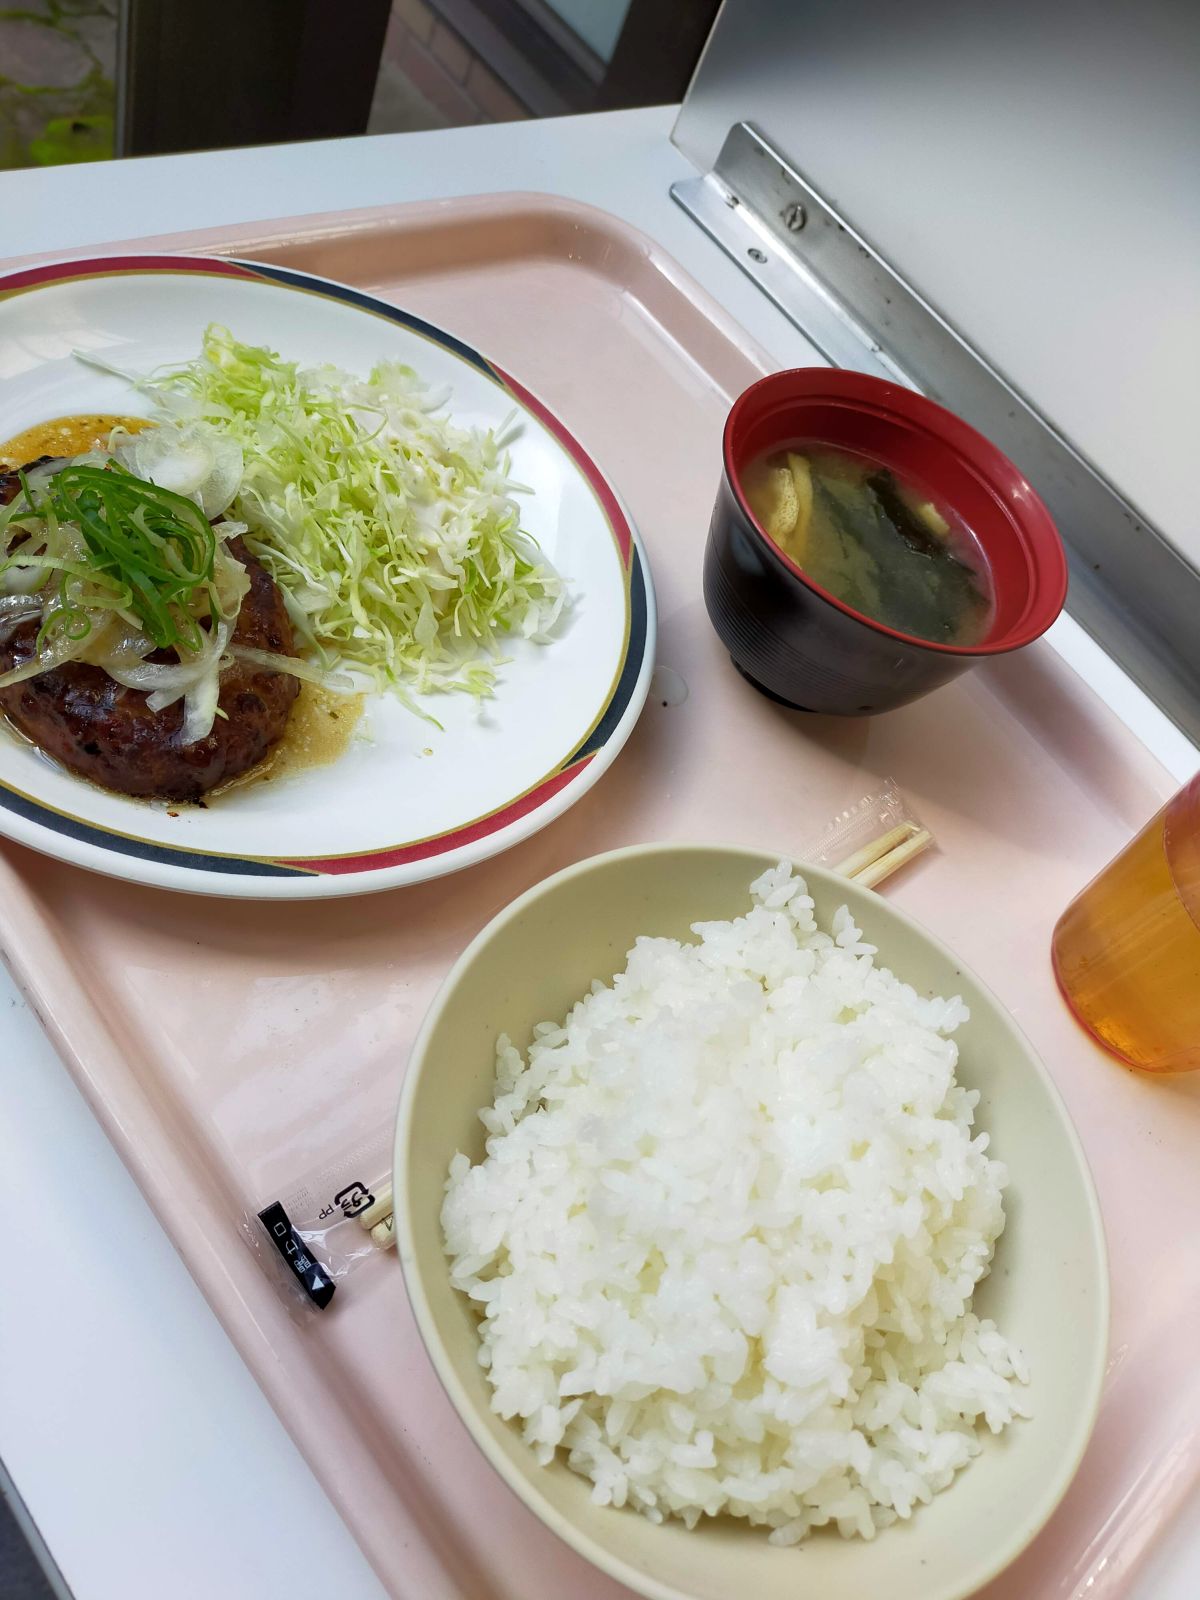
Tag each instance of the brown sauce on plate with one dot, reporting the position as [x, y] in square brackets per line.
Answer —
[319, 730]
[65, 436]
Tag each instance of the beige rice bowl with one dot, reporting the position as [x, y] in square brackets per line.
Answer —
[727, 1230]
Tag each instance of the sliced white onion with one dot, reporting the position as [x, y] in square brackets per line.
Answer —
[200, 708]
[37, 477]
[189, 458]
[162, 698]
[335, 682]
[122, 645]
[53, 655]
[175, 677]
[22, 582]
[230, 578]
[16, 609]
[153, 676]
[197, 680]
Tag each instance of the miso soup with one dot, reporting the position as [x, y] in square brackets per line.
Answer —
[874, 540]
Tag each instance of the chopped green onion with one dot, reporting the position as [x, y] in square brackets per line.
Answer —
[110, 542]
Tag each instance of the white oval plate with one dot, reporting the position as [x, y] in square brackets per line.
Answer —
[413, 802]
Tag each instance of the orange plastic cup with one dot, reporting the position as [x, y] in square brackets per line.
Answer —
[1127, 950]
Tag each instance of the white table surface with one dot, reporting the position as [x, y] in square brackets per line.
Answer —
[141, 1446]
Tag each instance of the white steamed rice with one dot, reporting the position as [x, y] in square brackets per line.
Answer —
[728, 1227]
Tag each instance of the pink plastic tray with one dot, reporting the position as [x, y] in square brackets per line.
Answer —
[227, 1049]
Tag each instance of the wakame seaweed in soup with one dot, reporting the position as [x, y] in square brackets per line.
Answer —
[874, 541]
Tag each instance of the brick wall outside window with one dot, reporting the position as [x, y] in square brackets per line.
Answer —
[430, 77]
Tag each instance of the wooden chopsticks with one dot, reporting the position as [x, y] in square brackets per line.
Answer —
[886, 854]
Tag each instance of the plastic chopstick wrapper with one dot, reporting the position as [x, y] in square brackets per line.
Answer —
[339, 1217]
[871, 839]
[328, 1223]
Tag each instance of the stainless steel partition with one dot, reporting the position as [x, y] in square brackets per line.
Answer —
[1029, 176]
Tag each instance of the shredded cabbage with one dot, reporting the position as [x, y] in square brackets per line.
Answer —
[392, 533]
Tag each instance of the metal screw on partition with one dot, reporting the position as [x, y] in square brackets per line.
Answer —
[794, 217]
[756, 255]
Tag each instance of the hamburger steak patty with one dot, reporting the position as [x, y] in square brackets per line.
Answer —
[103, 731]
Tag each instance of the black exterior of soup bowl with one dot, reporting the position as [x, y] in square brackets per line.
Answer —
[794, 644]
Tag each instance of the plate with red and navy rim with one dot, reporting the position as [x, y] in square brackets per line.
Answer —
[406, 800]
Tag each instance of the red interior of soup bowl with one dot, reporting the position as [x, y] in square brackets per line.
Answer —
[941, 454]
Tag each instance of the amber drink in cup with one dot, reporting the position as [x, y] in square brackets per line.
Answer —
[1127, 949]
